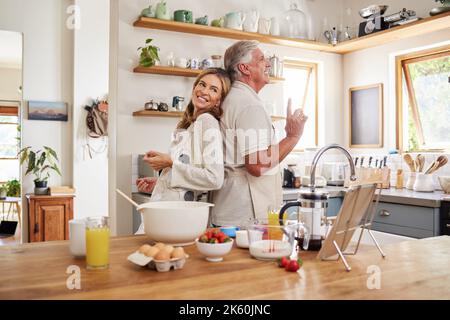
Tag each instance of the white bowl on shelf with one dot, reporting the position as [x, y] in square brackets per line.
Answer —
[214, 252]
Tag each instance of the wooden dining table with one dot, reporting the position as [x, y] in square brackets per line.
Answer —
[415, 269]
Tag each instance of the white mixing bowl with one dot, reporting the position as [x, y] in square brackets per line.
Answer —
[175, 222]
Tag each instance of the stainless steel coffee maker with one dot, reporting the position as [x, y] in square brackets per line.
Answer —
[313, 204]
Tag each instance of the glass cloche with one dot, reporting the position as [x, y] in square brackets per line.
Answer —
[294, 23]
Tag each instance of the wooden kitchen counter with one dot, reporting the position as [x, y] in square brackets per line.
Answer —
[416, 269]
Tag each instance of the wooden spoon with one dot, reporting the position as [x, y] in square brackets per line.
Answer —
[431, 167]
[410, 162]
[421, 159]
[440, 162]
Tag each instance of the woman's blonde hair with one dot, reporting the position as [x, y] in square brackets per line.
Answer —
[189, 115]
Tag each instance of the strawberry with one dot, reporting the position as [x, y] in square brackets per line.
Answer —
[283, 262]
[203, 238]
[213, 240]
[293, 266]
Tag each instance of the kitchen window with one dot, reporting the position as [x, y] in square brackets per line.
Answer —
[423, 101]
[301, 85]
[9, 142]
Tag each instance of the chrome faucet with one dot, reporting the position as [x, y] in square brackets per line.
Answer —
[320, 153]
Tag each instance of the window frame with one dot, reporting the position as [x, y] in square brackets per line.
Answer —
[10, 110]
[312, 67]
[401, 62]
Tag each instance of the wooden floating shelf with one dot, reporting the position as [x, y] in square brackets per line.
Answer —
[177, 114]
[412, 29]
[419, 27]
[152, 23]
[183, 72]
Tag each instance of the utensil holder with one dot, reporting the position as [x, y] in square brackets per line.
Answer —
[411, 180]
[424, 183]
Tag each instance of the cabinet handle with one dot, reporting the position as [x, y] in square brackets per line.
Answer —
[384, 213]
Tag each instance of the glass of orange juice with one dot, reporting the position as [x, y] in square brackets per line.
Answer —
[97, 243]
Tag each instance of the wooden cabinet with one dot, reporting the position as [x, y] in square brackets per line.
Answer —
[48, 217]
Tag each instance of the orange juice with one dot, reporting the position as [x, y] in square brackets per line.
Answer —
[275, 232]
[97, 247]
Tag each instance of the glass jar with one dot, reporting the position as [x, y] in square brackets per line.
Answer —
[97, 243]
[294, 23]
[217, 61]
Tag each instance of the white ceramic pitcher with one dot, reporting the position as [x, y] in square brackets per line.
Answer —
[234, 20]
[251, 21]
[264, 26]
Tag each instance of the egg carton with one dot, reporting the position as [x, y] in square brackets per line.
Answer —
[142, 260]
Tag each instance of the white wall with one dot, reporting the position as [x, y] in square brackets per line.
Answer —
[91, 76]
[137, 135]
[10, 81]
[46, 76]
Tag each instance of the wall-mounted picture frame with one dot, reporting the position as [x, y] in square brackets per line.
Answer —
[366, 116]
[45, 110]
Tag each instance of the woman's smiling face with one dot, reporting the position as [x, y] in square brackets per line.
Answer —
[207, 93]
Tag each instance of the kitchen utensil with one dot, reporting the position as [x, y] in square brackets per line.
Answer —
[97, 242]
[370, 161]
[372, 10]
[356, 161]
[399, 181]
[332, 36]
[251, 21]
[444, 181]
[77, 237]
[376, 163]
[214, 252]
[362, 161]
[128, 198]
[272, 241]
[424, 183]
[410, 162]
[175, 222]
[400, 17]
[385, 161]
[431, 167]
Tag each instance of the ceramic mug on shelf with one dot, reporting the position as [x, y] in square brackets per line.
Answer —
[264, 26]
[194, 63]
[183, 16]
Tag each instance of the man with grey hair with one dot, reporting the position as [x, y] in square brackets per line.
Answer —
[252, 184]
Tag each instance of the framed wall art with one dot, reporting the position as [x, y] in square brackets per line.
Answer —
[44, 110]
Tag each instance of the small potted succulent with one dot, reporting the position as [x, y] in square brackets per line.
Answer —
[40, 163]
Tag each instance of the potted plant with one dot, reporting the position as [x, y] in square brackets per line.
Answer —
[40, 163]
[13, 188]
[3, 191]
[149, 54]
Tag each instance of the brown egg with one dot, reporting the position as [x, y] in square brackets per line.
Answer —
[168, 249]
[159, 245]
[162, 255]
[151, 252]
[144, 248]
[178, 253]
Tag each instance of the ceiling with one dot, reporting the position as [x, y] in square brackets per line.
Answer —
[11, 49]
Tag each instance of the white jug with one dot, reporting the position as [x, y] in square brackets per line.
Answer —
[274, 27]
[251, 21]
[264, 26]
[234, 20]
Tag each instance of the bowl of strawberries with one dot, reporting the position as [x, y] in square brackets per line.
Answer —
[214, 244]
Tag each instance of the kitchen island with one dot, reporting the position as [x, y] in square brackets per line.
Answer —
[416, 269]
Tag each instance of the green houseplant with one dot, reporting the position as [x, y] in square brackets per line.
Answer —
[149, 54]
[3, 191]
[13, 188]
[40, 163]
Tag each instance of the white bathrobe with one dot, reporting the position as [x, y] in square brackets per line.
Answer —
[197, 155]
